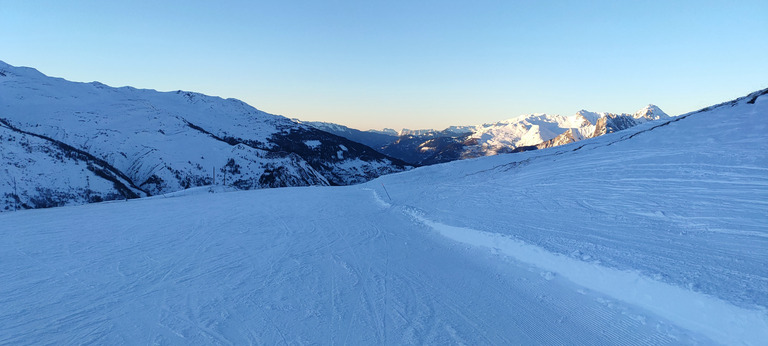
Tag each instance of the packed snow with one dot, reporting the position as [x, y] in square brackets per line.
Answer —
[652, 235]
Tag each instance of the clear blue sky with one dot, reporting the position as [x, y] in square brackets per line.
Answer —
[414, 64]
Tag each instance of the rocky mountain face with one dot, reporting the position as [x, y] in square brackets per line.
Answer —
[69, 143]
[528, 132]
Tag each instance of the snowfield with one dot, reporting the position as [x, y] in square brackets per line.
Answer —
[653, 235]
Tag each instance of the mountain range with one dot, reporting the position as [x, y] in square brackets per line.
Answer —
[526, 132]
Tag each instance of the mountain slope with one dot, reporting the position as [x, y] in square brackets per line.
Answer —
[653, 235]
[79, 177]
[165, 142]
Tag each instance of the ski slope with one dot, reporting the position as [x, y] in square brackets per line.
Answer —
[298, 265]
[656, 235]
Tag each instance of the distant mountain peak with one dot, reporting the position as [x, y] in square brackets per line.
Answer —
[386, 131]
[650, 112]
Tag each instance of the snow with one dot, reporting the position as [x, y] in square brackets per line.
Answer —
[278, 266]
[313, 143]
[653, 235]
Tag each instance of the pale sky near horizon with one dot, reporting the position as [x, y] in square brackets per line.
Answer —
[404, 64]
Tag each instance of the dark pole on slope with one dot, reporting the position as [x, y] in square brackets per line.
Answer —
[15, 195]
[88, 189]
[385, 190]
[213, 170]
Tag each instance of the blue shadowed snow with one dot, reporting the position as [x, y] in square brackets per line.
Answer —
[655, 237]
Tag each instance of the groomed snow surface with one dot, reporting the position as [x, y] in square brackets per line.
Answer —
[655, 235]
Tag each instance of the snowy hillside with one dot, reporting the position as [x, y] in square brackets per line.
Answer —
[71, 177]
[165, 142]
[652, 235]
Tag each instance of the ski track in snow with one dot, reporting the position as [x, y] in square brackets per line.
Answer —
[719, 320]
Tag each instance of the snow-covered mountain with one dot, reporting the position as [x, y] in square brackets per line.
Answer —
[144, 142]
[526, 132]
[653, 235]
[544, 130]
